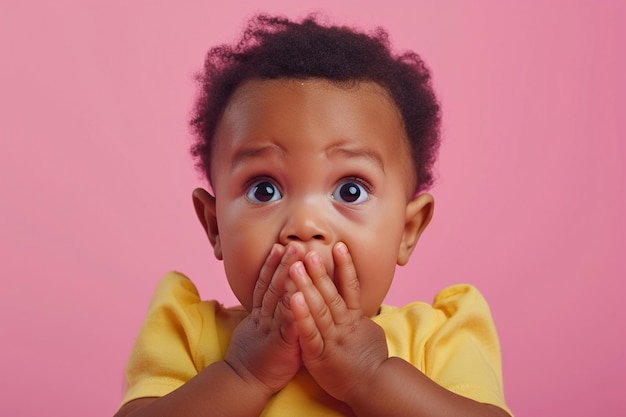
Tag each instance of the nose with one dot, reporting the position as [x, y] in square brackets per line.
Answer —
[305, 221]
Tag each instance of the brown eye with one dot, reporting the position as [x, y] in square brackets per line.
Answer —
[263, 192]
[350, 192]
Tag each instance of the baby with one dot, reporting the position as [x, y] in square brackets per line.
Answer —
[318, 143]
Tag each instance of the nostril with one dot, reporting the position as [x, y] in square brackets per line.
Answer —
[295, 237]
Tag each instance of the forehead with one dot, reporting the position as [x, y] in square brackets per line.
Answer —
[348, 96]
[312, 111]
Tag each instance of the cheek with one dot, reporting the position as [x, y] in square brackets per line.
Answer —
[375, 256]
[244, 252]
[242, 265]
[374, 287]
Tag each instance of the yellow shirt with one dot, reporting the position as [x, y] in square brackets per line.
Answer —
[453, 341]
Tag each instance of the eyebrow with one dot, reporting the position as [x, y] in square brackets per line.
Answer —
[245, 154]
[365, 153]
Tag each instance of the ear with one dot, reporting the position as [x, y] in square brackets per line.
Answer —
[204, 203]
[419, 211]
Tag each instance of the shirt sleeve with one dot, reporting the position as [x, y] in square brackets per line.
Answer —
[463, 355]
[163, 356]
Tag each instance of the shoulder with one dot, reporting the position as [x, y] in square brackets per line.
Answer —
[450, 303]
[456, 314]
[462, 302]
[458, 320]
[176, 312]
[176, 300]
[180, 334]
[175, 287]
[453, 341]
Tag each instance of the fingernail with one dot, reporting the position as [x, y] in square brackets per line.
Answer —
[315, 258]
[299, 268]
[342, 248]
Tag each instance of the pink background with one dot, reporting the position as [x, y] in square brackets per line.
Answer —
[95, 183]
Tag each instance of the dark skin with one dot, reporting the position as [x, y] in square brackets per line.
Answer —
[321, 327]
[335, 334]
[309, 306]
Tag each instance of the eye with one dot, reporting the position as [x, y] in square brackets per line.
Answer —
[263, 192]
[350, 192]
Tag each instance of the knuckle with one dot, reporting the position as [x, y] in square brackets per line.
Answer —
[325, 314]
[353, 284]
[336, 302]
[273, 290]
[285, 303]
[260, 284]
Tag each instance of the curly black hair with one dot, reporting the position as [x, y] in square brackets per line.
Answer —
[275, 47]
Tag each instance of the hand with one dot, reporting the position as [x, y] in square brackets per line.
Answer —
[264, 347]
[341, 347]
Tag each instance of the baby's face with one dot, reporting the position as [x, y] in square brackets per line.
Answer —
[307, 161]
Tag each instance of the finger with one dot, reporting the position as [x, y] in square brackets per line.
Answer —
[284, 321]
[346, 278]
[317, 307]
[277, 287]
[325, 286]
[289, 333]
[311, 340]
[266, 273]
